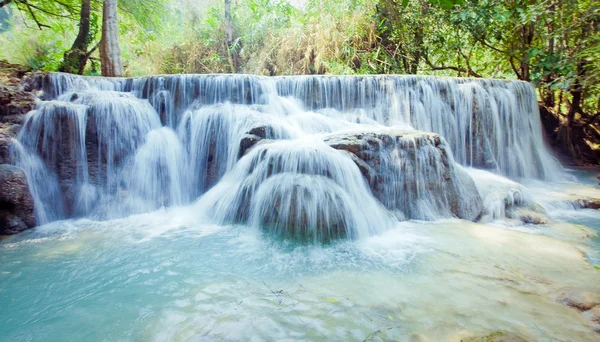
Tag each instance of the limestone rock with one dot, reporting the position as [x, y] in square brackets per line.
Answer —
[411, 171]
[12, 74]
[593, 314]
[14, 102]
[580, 299]
[528, 216]
[253, 136]
[498, 336]
[7, 132]
[16, 204]
[591, 203]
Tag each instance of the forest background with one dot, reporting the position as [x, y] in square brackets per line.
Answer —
[554, 44]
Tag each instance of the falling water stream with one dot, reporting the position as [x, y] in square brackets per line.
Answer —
[222, 207]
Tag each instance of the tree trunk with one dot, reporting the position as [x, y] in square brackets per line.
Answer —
[110, 52]
[229, 35]
[417, 53]
[527, 34]
[76, 58]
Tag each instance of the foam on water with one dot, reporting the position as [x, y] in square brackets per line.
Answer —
[172, 278]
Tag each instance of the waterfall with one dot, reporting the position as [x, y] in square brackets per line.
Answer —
[312, 158]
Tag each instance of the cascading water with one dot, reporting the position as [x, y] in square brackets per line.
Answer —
[300, 188]
[236, 207]
[293, 155]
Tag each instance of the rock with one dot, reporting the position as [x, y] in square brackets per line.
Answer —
[7, 133]
[16, 204]
[14, 102]
[590, 203]
[528, 216]
[285, 212]
[498, 336]
[253, 136]
[593, 314]
[12, 74]
[579, 299]
[413, 172]
[247, 142]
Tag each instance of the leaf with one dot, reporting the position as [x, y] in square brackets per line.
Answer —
[332, 300]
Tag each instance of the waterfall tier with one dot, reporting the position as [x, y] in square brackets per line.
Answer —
[309, 157]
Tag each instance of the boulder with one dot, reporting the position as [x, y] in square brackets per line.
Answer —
[589, 203]
[12, 74]
[528, 216]
[580, 299]
[593, 314]
[253, 136]
[412, 172]
[302, 208]
[14, 103]
[498, 336]
[7, 132]
[16, 203]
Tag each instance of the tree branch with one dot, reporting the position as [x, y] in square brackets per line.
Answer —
[470, 71]
[92, 50]
[67, 6]
[47, 12]
[449, 67]
[40, 25]
[484, 43]
[591, 120]
[512, 65]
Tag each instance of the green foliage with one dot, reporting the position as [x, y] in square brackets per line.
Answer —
[40, 50]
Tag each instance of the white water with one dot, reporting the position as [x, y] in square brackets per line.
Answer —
[125, 146]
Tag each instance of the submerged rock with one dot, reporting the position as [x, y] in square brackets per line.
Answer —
[580, 299]
[301, 207]
[498, 336]
[593, 314]
[413, 172]
[589, 203]
[16, 204]
[528, 216]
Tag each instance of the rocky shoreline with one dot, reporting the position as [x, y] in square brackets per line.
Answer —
[16, 203]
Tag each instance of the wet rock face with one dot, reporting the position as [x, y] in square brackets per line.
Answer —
[412, 172]
[588, 303]
[16, 204]
[14, 103]
[295, 211]
[7, 132]
[499, 336]
[254, 136]
[581, 300]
